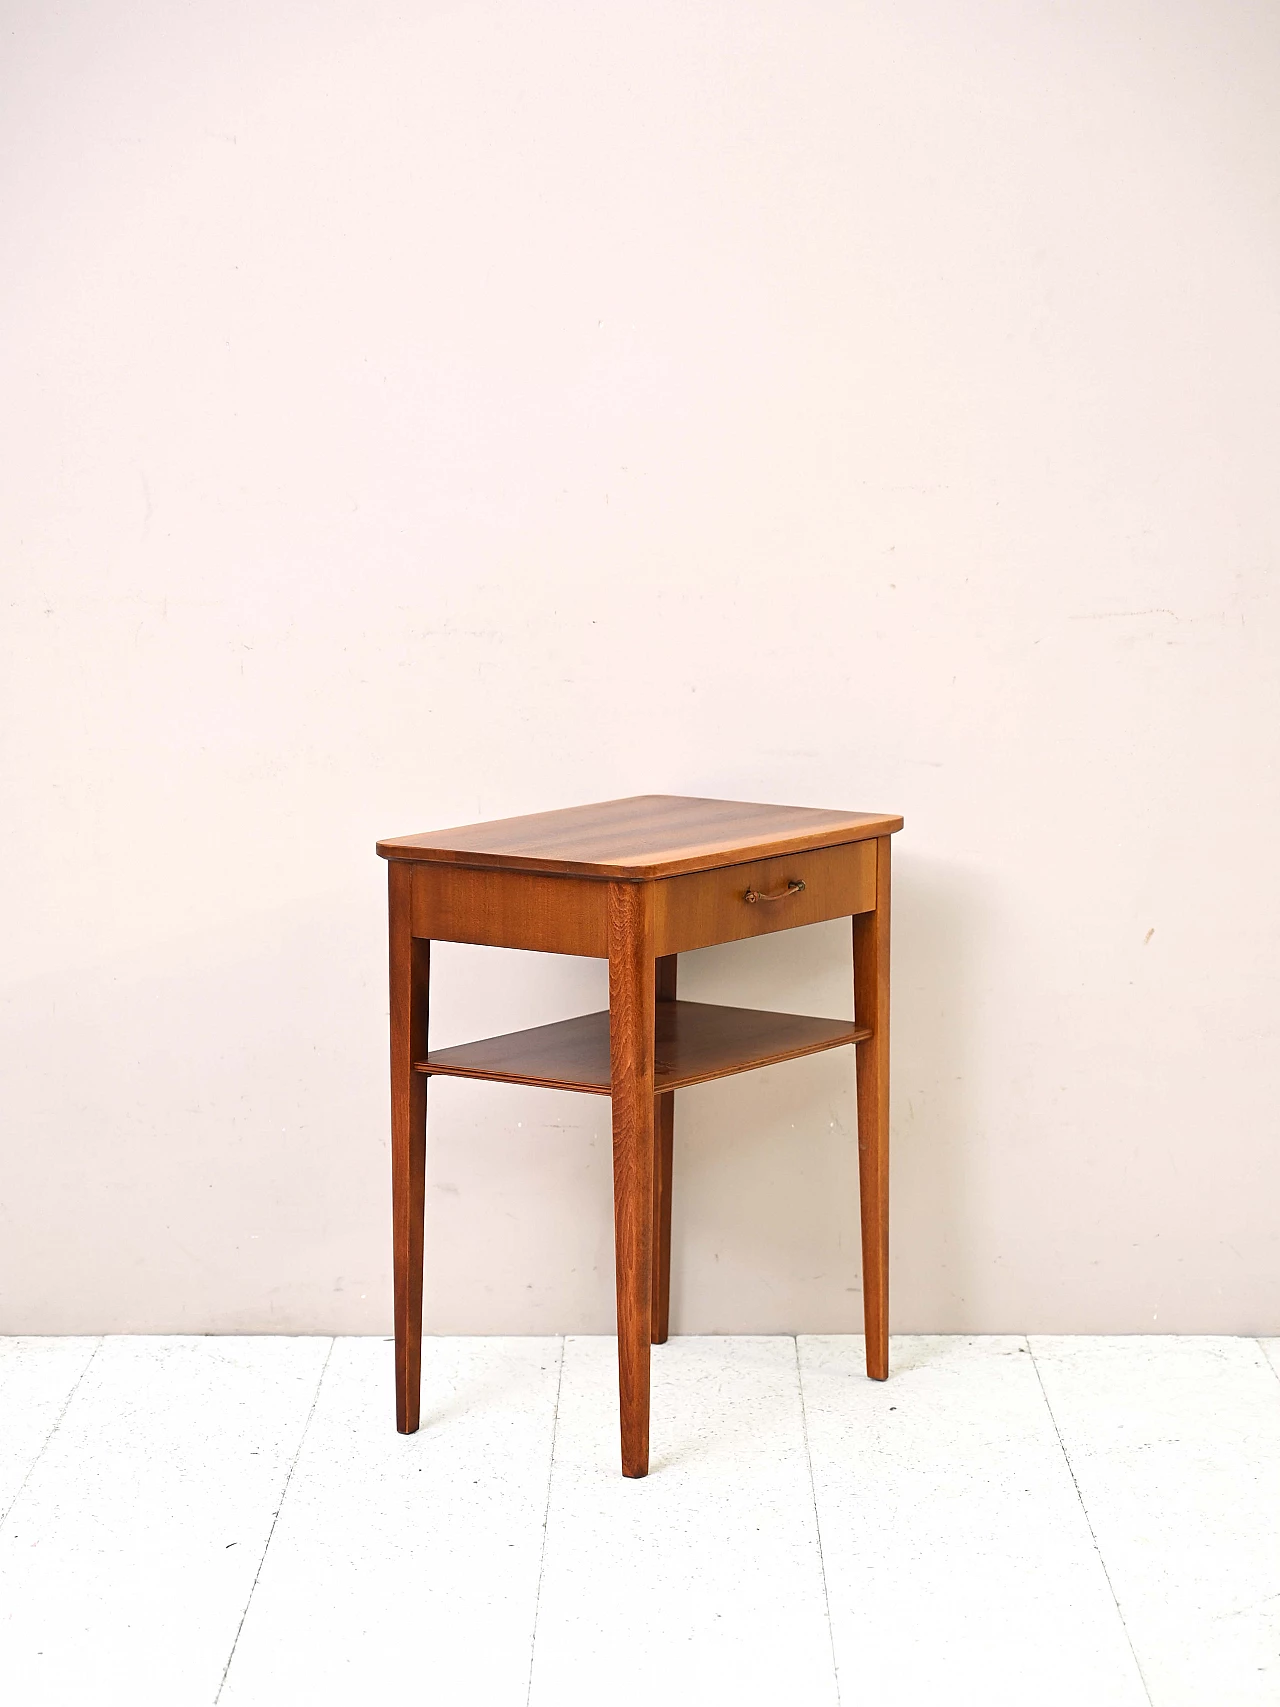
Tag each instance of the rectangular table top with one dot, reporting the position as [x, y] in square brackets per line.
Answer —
[644, 836]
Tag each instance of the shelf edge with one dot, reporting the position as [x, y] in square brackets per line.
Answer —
[432, 1069]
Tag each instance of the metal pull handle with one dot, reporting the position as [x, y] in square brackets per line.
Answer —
[793, 888]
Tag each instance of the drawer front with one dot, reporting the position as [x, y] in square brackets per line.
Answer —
[711, 906]
[511, 909]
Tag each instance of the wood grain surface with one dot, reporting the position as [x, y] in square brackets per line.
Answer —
[410, 965]
[664, 1118]
[632, 1006]
[511, 909]
[871, 1007]
[647, 835]
[707, 907]
[695, 1041]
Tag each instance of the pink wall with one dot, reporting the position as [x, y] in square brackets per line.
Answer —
[416, 414]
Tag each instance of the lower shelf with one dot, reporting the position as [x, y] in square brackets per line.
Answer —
[695, 1041]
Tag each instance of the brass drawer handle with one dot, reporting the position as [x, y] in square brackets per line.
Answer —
[793, 888]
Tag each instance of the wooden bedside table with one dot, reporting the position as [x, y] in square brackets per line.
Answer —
[637, 882]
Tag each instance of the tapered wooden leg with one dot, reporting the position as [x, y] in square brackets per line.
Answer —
[871, 1007]
[410, 962]
[631, 1024]
[664, 1119]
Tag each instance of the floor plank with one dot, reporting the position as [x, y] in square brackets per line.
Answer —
[958, 1555]
[127, 1560]
[703, 1581]
[406, 1567]
[1175, 1445]
[37, 1378]
[959, 1564]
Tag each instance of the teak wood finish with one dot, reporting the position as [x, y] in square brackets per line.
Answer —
[637, 882]
[664, 1128]
[693, 1042]
[647, 835]
[709, 907]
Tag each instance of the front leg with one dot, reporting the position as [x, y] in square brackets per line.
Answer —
[410, 962]
[631, 1048]
[871, 1007]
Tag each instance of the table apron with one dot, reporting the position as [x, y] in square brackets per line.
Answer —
[569, 915]
[511, 909]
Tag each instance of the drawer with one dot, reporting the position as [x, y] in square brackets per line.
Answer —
[707, 907]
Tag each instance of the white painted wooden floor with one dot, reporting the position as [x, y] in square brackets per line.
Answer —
[1084, 1522]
